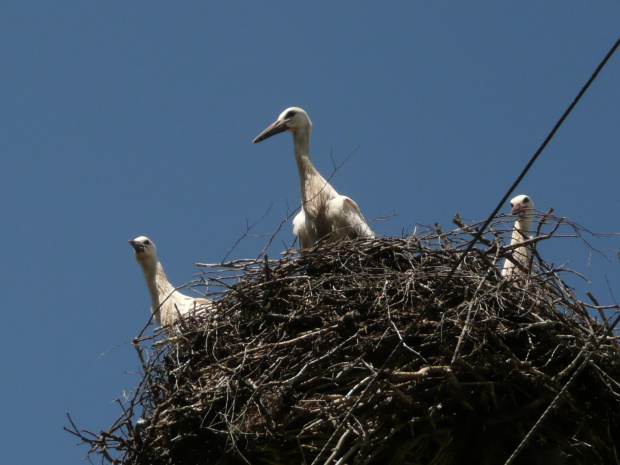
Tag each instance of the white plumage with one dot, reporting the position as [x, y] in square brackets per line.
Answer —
[167, 304]
[324, 213]
[523, 208]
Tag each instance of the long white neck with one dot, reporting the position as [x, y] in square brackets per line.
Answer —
[308, 174]
[521, 232]
[522, 229]
[157, 282]
[315, 190]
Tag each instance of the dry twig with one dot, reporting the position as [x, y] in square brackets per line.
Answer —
[337, 355]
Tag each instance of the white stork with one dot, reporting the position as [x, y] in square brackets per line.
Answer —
[324, 212]
[523, 208]
[167, 304]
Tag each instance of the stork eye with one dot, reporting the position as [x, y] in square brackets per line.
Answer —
[147, 242]
[526, 200]
[511, 204]
[290, 114]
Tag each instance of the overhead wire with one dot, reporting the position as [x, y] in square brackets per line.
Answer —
[483, 228]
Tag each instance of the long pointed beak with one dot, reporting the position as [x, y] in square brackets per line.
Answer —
[517, 209]
[272, 130]
[137, 247]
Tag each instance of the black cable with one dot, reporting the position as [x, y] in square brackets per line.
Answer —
[525, 170]
[488, 221]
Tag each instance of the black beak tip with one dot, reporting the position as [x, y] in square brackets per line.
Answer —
[136, 247]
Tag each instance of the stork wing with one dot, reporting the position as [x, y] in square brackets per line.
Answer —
[346, 218]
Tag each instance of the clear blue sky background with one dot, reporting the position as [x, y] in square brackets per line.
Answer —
[119, 119]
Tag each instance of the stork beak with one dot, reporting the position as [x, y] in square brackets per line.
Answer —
[137, 247]
[517, 209]
[272, 130]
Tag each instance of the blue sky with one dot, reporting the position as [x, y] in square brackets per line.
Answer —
[136, 118]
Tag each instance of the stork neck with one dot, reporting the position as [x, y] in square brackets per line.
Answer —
[307, 171]
[157, 282]
[522, 229]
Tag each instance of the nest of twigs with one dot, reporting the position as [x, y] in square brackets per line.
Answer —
[360, 352]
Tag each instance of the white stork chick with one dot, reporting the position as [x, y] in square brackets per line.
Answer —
[523, 208]
[324, 212]
[167, 304]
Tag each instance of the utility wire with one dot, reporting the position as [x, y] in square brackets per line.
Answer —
[525, 170]
[478, 235]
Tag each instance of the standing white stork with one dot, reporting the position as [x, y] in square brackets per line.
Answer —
[324, 212]
[167, 304]
[523, 208]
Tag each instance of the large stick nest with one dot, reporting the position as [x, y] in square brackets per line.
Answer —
[353, 352]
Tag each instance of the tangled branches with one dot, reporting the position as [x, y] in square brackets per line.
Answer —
[349, 353]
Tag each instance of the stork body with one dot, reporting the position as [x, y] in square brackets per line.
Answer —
[523, 208]
[324, 212]
[167, 304]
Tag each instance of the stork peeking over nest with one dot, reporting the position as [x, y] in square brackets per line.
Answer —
[523, 208]
[324, 212]
[167, 304]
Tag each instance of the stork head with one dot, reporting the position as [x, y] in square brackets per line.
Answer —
[522, 206]
[292, 119]
[143, 248]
